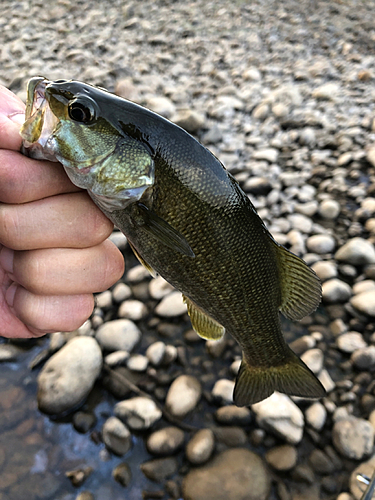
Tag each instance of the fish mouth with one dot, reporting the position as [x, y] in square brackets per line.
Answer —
[40, 122]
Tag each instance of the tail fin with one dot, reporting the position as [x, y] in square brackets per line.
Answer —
[294, 378]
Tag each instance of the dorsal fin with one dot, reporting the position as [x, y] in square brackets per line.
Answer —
[205, 326]
[301, 289]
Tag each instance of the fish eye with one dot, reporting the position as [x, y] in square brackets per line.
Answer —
[82, 110]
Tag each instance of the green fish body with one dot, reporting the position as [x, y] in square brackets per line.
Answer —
[188, 220]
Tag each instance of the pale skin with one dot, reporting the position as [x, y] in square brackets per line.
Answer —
[54, 252]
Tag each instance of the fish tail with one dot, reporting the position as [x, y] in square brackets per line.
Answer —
[293, 377]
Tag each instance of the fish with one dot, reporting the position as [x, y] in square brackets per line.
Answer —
[187, 219]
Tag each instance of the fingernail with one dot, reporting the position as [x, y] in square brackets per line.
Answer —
[10, 293]
[6, 259]
[17, 117]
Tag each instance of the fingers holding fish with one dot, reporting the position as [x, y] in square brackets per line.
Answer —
[67, 221]
[79, 271]
[12, 114]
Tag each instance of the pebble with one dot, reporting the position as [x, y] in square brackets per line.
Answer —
[159, 469]
[117, 358]
[200, 447]
[171, 305]
[122, 474]
[230, 436]
[326, 380]
[327, 91]
[9, 352]
[159, 288]
[237, 474]
[155, 353]
[321, 243]
[363, 286]
[119, 239]
[137, 274]
[138, 413]
[325, 269]
[329, 209]
[166, 441]
[268, 154]
[85, 495]
[118, 335]
[353, 437]
[282, 458]
[335, 291]
[364, 302]
[321, 463]
[316, 415]
[350, 342]
[222, 391]
[183, 395]
[132, 309]
[314, 360]
[279, 415]
[104, 300]
[116, 436]
[69, 375]
[137, 363]
[233, 415]
[189, 120]
[356, 251]
[84, 421]
[161, 105]
[364, 359]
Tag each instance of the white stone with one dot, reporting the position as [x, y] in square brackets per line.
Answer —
[314, 359]
[321, 243]
[200, 447]
[183, 395]
[155, 353]
[363, 286]
[118, 335]
[329, 209]
[159, 288]
[356, 251]
[121, 292]
[268, 154]
[137, 274]
[364, 302]
[138, 413]
[165, 441]
[116, 358]
[316, 416]
[223, 391]
[336, 291]
[104, 299]
[353, 437]
[132, 309]
[327, 91]
[171, 305]
[137, 363]
[350, 342]
[325, 269]
[116, 436]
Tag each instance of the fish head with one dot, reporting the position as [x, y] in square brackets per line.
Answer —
[79, 125]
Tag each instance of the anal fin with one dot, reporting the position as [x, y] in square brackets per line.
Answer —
[205, 326]
[143, 262]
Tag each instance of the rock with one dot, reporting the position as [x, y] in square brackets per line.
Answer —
[326, 380]
[79, 476]
[363, 286]
[371, 155]
[261, 112]
[171, 305]
[321, 463]
[189, 120]
[166, 441]
[238, 474]
[69, 375]
[9, 352]
[321, 243]
[156, 352]
[325, 270]
[350, 342]
[116, 436]
[329, 209]
[122, 474]
[119, 239]
[316, 415]
[364, 359]
[364, 302]
[85, 495]
[282, 458]
[132, 309]
[357, 252]
[233, 415]
[223, 391]
[335, 291]
[327, 91]
[302, 344]
[183, 395]
[280, 415]
[314, 360]
[159, 469]
[161, 105]
[138, 413]
[118, 335]
[252, 73]
[159, 288]
[353, 437]
[117, 358]
[200, 447]
[126, 88]
[84, 421]
[137, 363]
[137, 274]
[231, 436]
[268, 154]
[103, 300]
[357, 488]
[258, 186]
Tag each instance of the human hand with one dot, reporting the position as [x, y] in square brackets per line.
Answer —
[54, 252]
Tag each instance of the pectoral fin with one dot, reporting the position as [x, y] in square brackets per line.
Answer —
[204, 325]
[143, 262]
[164, 232]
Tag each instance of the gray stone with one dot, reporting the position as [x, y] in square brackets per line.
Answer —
[166, 441]
[159, 288]
[183, 395]
[350, 342]
[364, 302]
[321, 243]
[200, 447]
[314, 359]
[364, 359]
[69, 375]
[335, 291]
[357, 252]
[233, 415]
[116, 436]
[282, 458]
[325, 270]
[238, 474]
[138, 413]
[268, 154]
[316, 415]
[329, 209]
[279, 415]
[353, 437]
[171, 305]
[132, 309]
[118, 335]
[159, 469]
[321, 463]
[156, 352]
[189, 119]
[103, 300]
[223, 391]
[161, 105]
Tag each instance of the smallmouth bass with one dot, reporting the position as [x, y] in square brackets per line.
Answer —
[187, 219]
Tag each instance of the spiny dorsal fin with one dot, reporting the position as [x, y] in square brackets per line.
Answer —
[143, 262]
[301, 289]
[204, 325]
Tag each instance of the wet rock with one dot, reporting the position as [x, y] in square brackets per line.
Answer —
[200, 447]
[79, 476]
[138, 413]
[237, 474]
[353, 437]
[364, 302]
[159, 469]
[336, 291]
[233, 415]
[69, 375]
[231, 436]
[132, 309]
[316, 416]
[166, 441]
[116, 436]
[171, 305]
[183, 395]
[118, 335]
[84, 421]
[282, 458]
[356, 251]
[122, 474]
[281, 416]
[222, 391]
[321, 463]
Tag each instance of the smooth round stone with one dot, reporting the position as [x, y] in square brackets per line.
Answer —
[119, 239]
[159, 288]
[159, 469]
[104, 300]
[357, 252]
[231, 436]
[353, 437]
[267, 154]
[9, 352]
[118, 335]
[301, 223]
[121, 292]
[116, 436]
[137, 274]
[171, 305]
[350, 342]
[363, 286]
[233, 415]
[155, 353]
[316, 416]
[166, 441]
[161, 105]
[321, 243]
[84, 421]
[325, 270]
[137, 363]
[122, 474]
[222, 391]
[336, 291]
[329, 209]
[117, 358]
[138, 413]
[282, 458]
[85, 495]
[321, 463]
[189, 120]
[237, 474]
[183, 395]
[314, 360]
[69, 375]
[132, 309]
[364, 302]
[200, 447]
[364, 359]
